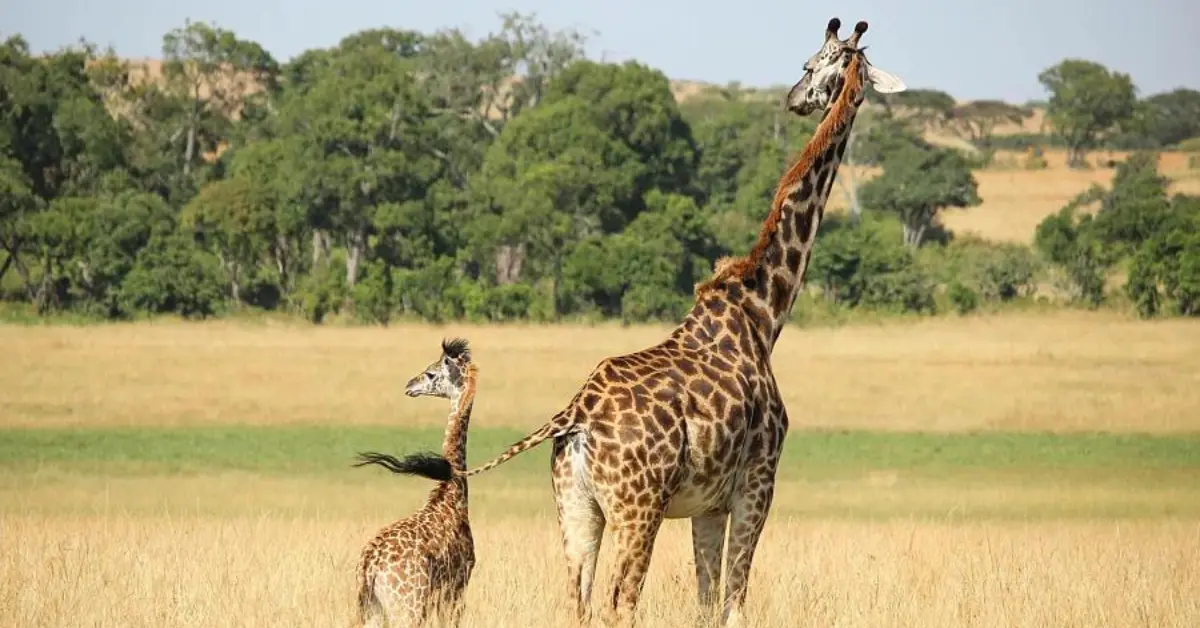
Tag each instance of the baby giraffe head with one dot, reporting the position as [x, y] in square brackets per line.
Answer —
[446, 376]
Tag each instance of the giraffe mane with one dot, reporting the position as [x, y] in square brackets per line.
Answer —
[838, 115]
[455, 348]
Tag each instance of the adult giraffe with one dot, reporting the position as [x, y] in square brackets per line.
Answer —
[694, 426]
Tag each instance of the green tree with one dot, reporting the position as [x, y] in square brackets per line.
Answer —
[173, 275]
[1165, 267]
[366, 132]
[634, 105]
[1136, 206]
[861, 264]
[56, 141]
[916, 184]
[213, 74]
[553, 178]
[236, 218]
[1087, 100]
[1172, 117]
[1068, 239]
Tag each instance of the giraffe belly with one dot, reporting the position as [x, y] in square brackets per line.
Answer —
[694, 498]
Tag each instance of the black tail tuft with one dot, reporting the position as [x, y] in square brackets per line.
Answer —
[425, 464]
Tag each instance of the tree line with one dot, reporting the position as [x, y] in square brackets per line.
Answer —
[427, 175]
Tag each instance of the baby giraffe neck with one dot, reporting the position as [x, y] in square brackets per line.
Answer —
[454, 446]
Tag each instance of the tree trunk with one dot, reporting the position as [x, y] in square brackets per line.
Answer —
[283, 260]
[1075, 157]
[847, 180]
[4, 268]
[41, 299]
[320, 246]
[356, 243]
[914, 233]
[189, 152]
[509, 260]
[12, 249]
[235, 288]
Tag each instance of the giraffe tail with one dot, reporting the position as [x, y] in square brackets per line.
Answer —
[562, 423]
[422, 464]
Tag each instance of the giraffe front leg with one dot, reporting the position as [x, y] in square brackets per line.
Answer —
[746, 520]
[708, 544]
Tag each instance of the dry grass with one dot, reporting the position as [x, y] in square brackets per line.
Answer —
[871, 495]
[1015, 200]
[1062, 372]
[278, 571]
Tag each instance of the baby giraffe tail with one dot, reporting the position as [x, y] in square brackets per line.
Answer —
[423, 464]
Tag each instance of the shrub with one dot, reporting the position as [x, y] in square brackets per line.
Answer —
[171, 274]
[964, 299]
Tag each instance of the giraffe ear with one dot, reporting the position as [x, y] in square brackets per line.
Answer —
[884, 82]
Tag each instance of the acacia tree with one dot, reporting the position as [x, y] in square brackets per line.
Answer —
[918, 183]
[927, 107]
[976, 121]
[1087, 100]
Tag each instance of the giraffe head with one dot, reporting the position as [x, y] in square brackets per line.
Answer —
[825, 72]
[446, 376]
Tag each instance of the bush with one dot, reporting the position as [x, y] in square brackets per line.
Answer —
[172, 275]
[643, 302]
[375, 294]
[866, 264]
[1069, 240]
[1006, 272]
[1035, 161]
[964, 299]
[320, 293]
[905, 289]
[433, 291]
[481, 302]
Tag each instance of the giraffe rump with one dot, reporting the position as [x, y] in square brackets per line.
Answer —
[423, 464]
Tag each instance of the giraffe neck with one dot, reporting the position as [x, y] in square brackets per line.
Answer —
[766, 282]
[454, 445]
[778, 278]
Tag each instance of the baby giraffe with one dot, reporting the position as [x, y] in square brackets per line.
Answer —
[417, 568]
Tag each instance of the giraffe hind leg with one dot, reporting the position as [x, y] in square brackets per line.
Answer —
[581, 522]
[634, 537]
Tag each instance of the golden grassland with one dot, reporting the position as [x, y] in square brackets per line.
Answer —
[90, 546]
[266, 571]
[1066, 371]
[1015, 200]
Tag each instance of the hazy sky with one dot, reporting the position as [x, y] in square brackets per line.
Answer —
[969, 48]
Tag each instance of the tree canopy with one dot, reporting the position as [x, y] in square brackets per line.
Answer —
[433, 175]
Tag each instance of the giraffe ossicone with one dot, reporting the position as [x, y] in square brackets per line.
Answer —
[693, 427]
[416, 569]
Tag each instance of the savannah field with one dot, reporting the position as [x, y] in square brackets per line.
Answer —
[1007, 470]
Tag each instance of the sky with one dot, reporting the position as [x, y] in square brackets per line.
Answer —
[969, 48]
